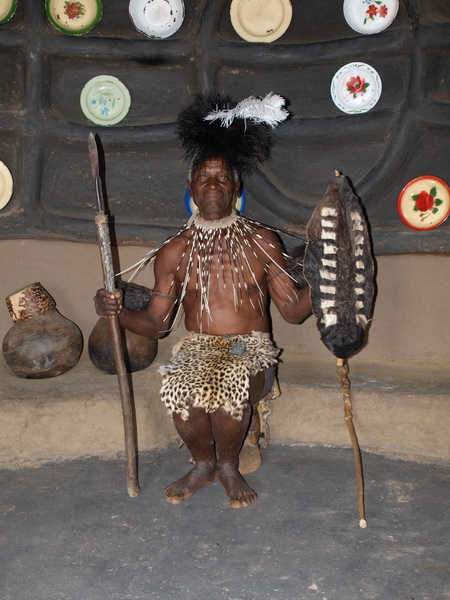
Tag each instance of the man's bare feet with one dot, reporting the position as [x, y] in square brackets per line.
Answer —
[200, 475]
[239, 493]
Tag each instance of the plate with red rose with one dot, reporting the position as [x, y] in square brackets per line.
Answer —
[356, 88]
[370, 16]
[424, 203]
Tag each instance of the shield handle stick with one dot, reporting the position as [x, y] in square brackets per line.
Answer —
[101, 222]
[342, 367]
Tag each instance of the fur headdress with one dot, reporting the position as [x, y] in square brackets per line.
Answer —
[241, 133]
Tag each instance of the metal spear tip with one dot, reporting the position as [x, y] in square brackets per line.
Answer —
[93, 158]
[93, 155]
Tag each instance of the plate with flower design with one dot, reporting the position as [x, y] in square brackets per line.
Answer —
[7, 10]
[156, 18]
[370, 16]
[6, 185]
[105, 100]
[74, 17]
[424, 203]
[356, 88]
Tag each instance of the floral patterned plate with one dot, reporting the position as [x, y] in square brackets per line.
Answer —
[370, 16]
[74, 16]
[6, 185]
[156, 18]
[424, 203]
[105, 100]
[7, 10]
[356, 88]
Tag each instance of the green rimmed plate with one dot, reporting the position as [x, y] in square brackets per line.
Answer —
[74, 17]
[7, 10]
[105, 100]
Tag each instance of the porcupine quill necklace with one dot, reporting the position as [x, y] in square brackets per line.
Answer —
[232, 236]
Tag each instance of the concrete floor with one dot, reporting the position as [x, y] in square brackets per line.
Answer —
[70, 532]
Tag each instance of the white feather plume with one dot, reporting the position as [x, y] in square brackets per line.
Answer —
[269, 110]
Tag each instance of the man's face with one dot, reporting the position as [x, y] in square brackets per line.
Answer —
[213, 189]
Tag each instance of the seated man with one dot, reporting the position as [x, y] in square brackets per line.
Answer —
[223, 269]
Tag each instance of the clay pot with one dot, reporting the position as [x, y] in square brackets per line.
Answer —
[41, 343]
[139, 351]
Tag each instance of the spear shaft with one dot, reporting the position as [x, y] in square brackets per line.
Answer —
[342, 368]
[101, 222]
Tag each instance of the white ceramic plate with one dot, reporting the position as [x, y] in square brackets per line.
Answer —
[105, 100]
[260, 20]
[7, 10]
[356, 88]
[74, 17]
[424, 203]
[156, 18]
[6, 185]
[370, 16]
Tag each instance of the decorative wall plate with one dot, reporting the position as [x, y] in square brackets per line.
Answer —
[74, 17]
[7, 10]
[156, 18]
[6, 185]
[105, 100]
[370, 16]
[260, 20]
[424, 203]
[356, 88]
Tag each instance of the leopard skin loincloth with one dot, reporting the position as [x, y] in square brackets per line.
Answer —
[211, 371]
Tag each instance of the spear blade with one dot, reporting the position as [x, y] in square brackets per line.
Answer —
[93, 159]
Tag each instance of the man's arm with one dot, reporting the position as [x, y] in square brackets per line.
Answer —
[155, 320]
[294, 304]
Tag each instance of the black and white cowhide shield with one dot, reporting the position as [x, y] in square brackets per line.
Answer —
[339, 268]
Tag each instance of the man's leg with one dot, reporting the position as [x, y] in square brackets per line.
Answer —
[229, 435]
[196, 433]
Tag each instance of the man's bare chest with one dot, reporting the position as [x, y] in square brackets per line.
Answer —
[220, 267]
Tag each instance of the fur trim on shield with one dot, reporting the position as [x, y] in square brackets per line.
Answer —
[339, 268]
[211, 371]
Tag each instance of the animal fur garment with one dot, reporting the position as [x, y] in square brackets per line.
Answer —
[339, 269]
[211, 371]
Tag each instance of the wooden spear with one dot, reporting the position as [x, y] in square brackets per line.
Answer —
[342, 368]
[101, 221]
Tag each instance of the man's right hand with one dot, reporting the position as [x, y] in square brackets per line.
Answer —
[108, 304]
